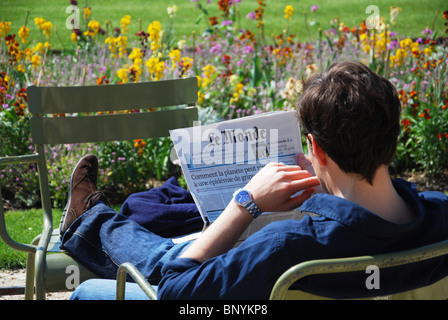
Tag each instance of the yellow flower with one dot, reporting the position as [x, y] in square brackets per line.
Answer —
[4, 28]
[136, 53]
[24, 34]
[40, 47]
[201, 98]
[44, 25]
[175, 57]
[428, 51]
[239, 90]
[405, 43]
[136, 71]
[86, 13]
[289, 10]
[28, 54]
[123, 75]
[124, 23]
[187, 62]
[73, 37]
[93, 28]
[35, 61]
[20, 68]
[399, 57]
[156, 68]
[209, 71]
[117, 45]
[154, 29]
[121, 43]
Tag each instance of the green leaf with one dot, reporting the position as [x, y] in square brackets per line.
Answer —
[255, 74]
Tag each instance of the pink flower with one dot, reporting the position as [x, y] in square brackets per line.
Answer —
[248, 49]
[216, 49]
[314, 8]
[251, 15]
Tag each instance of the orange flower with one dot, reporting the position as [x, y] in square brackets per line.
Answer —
[139, 143]
[425, 114]
[213, 20]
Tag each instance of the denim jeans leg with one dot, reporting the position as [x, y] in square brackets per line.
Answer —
[105, 289]
[101, 239]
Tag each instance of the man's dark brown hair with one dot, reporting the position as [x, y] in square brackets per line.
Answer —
[354, 115]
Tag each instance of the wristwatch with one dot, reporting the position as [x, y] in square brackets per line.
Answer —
[243, 198]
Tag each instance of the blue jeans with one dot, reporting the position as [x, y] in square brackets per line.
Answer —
[105, 289]
[102, 239]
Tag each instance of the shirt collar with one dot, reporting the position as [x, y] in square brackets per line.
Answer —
[357, 218]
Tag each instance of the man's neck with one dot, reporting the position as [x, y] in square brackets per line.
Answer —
[380, 197]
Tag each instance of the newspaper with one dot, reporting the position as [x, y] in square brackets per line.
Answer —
[219, 158]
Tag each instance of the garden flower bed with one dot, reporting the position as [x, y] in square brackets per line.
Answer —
[240, 72]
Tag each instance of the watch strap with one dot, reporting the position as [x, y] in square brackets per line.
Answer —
[253, 209]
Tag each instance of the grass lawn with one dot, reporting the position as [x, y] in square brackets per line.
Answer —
[23, 226]
[414, 17]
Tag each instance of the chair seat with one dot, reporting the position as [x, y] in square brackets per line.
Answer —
[55, 242]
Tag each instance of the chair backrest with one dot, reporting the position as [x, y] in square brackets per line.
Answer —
[88, 111]
[104, 113]
[438, 290]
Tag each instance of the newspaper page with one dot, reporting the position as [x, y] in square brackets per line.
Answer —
[220, 158]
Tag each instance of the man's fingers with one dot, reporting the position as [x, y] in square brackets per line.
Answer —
[305, 183]
[298, 200]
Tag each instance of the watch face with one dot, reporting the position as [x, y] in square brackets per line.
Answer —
[242, 196]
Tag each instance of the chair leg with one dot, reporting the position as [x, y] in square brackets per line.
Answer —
[30, 271]
[29, 282]
[40, 278]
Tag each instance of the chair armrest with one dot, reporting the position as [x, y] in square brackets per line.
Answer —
[32, 158]
[125, 268]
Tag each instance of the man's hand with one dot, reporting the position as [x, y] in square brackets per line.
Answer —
[275, 186]
[304, 162]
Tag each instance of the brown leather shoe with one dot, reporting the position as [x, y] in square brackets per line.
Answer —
[83, 193]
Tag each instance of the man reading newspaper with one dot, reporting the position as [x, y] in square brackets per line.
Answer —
[351, 119]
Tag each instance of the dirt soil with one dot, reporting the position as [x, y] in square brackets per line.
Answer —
[425, 182]
[16, 278]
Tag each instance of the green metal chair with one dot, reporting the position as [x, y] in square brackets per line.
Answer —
[282, 288]
[87, 120]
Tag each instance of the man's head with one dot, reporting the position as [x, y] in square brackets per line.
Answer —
[353, 114]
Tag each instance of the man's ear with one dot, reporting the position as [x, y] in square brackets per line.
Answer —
[318, 152]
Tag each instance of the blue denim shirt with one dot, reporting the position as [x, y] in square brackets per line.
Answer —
[340, 229]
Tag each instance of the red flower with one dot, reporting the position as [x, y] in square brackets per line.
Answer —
[425, 114]
[213, 20]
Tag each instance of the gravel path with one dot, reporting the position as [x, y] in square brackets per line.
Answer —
[16, 278]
